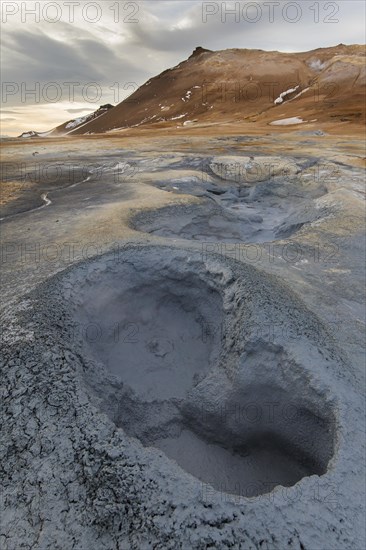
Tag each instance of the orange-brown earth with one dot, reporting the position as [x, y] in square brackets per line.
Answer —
[239, 86]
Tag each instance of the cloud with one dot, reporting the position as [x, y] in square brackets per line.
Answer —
[35, 57]
[82, 110]
[115, 53]
[241, 25]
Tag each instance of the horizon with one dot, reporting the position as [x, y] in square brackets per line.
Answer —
[183, 274]
[118, 50]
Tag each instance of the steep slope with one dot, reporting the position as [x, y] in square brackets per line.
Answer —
[210, 87]
[68, 126]
[79, 123]
[237, 85]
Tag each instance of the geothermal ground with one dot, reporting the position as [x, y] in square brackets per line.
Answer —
[184, 341]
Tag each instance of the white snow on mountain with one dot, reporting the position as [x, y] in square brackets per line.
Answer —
[77, 121]
[299, 94]
[179, 116]
[279, 100]
[288, 121]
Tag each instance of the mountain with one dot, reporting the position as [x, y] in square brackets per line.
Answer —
[240, 85]
[70, 125]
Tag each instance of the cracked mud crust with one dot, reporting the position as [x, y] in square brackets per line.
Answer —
[256, 438]
[107, 441]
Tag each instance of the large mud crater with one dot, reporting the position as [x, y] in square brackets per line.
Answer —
[173, 357]
[149, 330]
[233, 213]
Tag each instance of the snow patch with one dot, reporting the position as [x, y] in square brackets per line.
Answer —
[179, 116]
[77, 121]
[187, 97]
[279, 100]
[288, 121]
[300, 93]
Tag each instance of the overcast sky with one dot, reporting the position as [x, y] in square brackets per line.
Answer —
[77, 55]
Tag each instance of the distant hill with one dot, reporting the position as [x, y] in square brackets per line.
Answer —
[70, 125]
[210, 87]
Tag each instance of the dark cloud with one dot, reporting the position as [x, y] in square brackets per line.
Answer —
[38, 58]
[290, 29]
[34, 57]
[166, 33]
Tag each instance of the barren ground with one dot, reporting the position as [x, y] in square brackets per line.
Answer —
[184, 339]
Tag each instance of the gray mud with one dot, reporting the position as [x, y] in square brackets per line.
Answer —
[264, 212]
[165, 332]
[171, 398]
